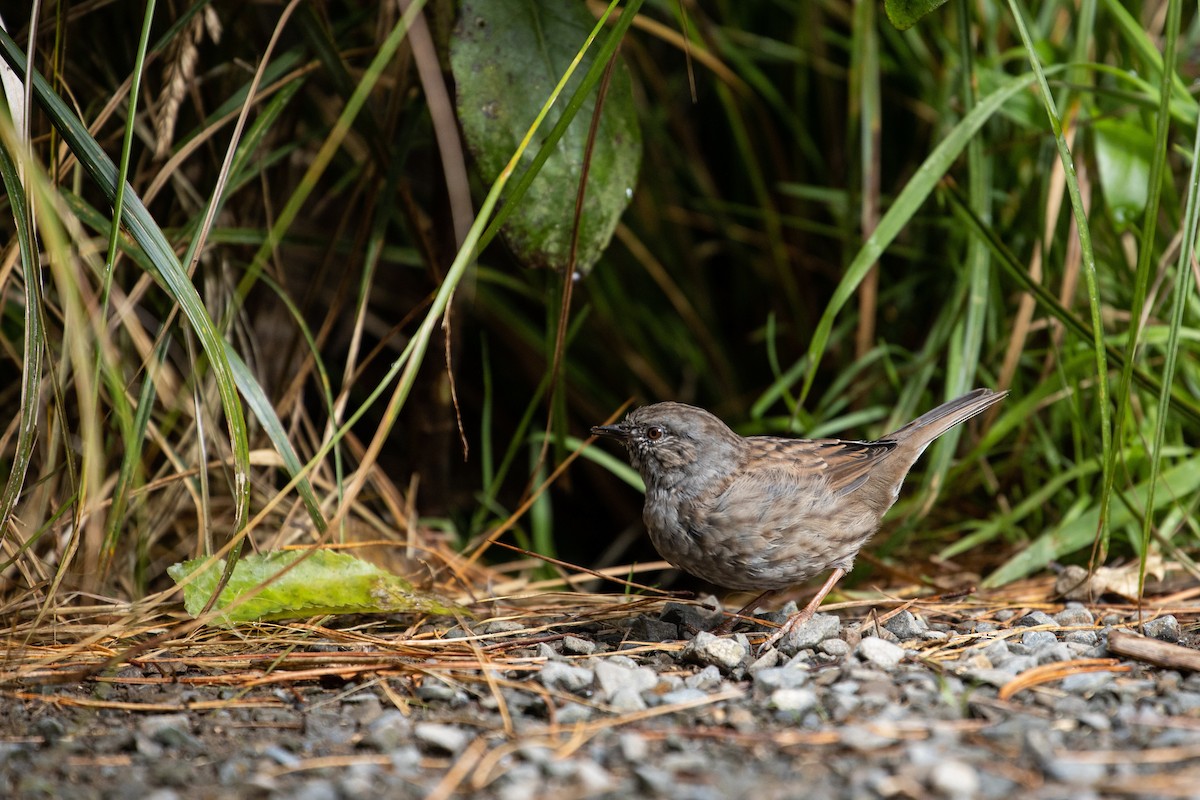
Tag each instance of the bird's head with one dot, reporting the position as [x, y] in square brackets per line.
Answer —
[673, 443]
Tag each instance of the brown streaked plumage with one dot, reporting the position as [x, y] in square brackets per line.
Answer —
[763, 513]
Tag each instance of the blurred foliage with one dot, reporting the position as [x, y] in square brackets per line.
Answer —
[837, 225]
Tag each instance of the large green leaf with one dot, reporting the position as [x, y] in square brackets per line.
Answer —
[324, 582]
[1077, 532]
[1123, 153]
[507, 56]
[906, 13]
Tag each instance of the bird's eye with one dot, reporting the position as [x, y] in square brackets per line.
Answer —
[654, 433]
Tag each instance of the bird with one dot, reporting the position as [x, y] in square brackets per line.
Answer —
[767, 513]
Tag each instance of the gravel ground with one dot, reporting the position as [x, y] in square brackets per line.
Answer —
[640, 705]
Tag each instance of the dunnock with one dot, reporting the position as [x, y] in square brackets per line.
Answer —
[764, 513]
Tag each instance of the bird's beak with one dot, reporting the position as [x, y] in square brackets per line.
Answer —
[611, 431]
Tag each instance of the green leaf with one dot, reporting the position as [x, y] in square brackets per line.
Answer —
[507, 56]
[1123, 154]
[324, 582]
[906, 13]
[1077, 533]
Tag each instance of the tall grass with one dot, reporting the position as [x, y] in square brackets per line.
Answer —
[837, 225]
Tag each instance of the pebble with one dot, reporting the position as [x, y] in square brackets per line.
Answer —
[449, 738]
[793, 701]
[581, 647]
[811, 633]
[1086, 682]
[707, 678]
[435, 690]
[626, 699]
[955, 779]
[316, 789]
[634, 747]
[684, 695]
[389, 731]
[769, 680]
[725, 654]
[1038, 639]
[906, 625]
[835, 647]
[571, 713]
[1035, 618]
[1074, 615]
[882, 654]
[690, 617]
[612, 677]
[568, 677]
[1165, 628]
[648, 629]
[1089, 638]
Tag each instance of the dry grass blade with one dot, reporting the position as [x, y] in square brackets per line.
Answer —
[1047, 673]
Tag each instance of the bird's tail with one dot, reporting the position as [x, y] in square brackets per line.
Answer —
[932, 424]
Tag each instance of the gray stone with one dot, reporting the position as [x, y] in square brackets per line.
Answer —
[448, 738]
[680, 696]
[1074, 615]
[811, 632]
[169, 730]
[1165, 628]
[793, 701]
[707, 678]
[502, 626]
[863, 739]
[1035, 618]
[1086, 682]
[547, 652]
[521, 782]
[884, 655]
[570, 678]
[1078, 772]
[571, 713]
[436, 690]
[770, 658]
[360, 782]
[315, 789]
[769, 680]
[626, 699]
[1038, 639]
[634, 747]
[581, 647]
[996, 650]
[835, 647]
[690, 617]
[647, 629]
[988, 675]
[389, 731]
[1088, 638]
[612, 677]
[1058, 652]
[280, 755]
[725, 654]
[954, 778]
[906, 626]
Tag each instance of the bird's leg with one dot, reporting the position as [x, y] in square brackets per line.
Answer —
[730, 621]
[807, 612]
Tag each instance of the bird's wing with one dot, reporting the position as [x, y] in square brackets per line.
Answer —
[844, 465]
